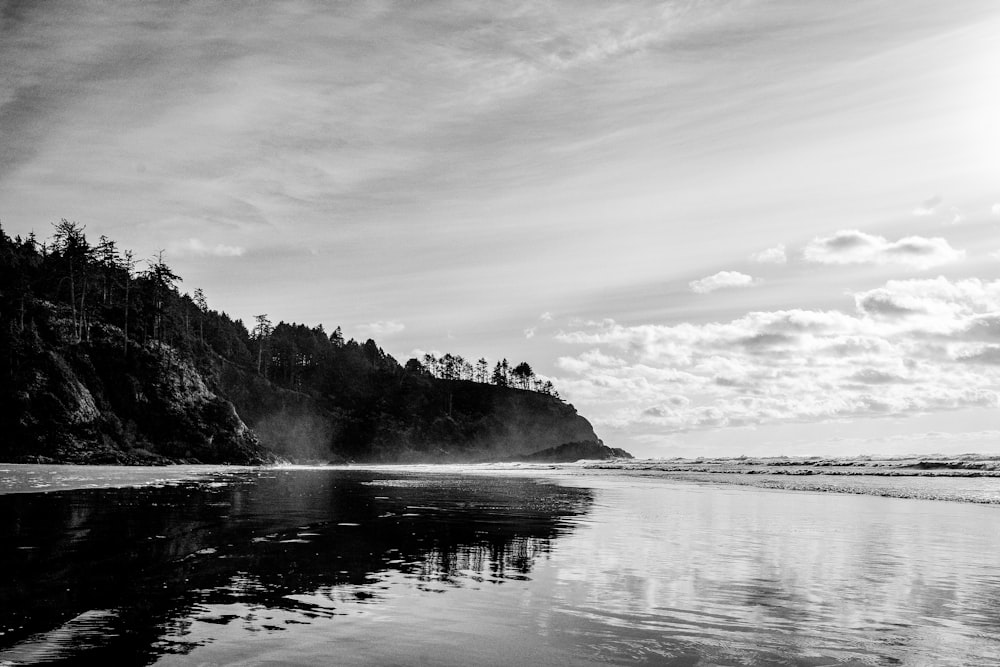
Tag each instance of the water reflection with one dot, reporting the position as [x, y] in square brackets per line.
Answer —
[134, 575]
[321, 567]
[724, 575]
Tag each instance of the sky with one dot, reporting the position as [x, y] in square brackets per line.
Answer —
[720, 228]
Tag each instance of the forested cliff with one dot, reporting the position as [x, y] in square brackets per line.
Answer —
[104, 360]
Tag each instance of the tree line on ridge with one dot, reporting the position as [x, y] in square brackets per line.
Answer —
[138, 302]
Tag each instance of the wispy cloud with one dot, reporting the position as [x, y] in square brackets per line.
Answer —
[721, 280]
[382, 328]
[775, 255]
[196, 248]
[928, 206]
[957, 215]
[856, 247]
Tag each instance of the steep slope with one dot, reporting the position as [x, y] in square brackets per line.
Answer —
[91, 404]
[101, 364]
[412, 418]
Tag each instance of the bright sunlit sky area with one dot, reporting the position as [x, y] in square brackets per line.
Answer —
[720, 228]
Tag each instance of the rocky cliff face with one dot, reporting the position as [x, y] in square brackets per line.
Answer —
[89, 403]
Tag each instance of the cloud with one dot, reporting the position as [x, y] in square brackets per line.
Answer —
[988, 354]
[545, 317]
[909, 347]
[382, 328]
[529, 332]
[775, 255]
[995, 210]
[928, 206]
[721, 280]
[856, 247]
[875, 376]
[940, 305]
[196, 248]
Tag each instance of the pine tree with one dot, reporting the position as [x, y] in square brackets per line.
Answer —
[261, 333]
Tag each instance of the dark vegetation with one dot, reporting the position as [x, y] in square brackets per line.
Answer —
[103, 359]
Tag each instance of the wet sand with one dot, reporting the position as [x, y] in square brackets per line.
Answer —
[431, 566]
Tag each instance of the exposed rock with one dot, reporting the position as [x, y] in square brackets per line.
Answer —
[86, 404]
[575, 451]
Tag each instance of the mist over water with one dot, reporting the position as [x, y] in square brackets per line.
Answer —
[533, 567]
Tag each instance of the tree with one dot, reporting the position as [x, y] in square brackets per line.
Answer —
[501, 374]
[337, 338]
[129, 265]
[162, 281]
[261, 333]
[202, 304]
[372, 353]
[110, 261]
[70, 245]
[482, 372]
[431, 364]
[451, 366]
[523, 374]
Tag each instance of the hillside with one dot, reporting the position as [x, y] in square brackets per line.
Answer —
[103, 363]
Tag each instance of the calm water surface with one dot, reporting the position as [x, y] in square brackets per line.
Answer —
[382, 567]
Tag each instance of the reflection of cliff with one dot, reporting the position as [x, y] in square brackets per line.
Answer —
[512, 559]
[153, 554]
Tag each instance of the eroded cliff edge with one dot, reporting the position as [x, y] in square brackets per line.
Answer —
[87, 403]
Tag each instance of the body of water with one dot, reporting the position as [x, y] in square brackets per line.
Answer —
[471, 566]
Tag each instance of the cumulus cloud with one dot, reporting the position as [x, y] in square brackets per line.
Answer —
[545, 317]
[909, 347]
[196, 248]
[875, 376]
[928, 206]
[939, 305]
[775, 255]
[987, 354]
[856, 247]
[996, 209]
[529, 332]
[721, 280]
[382, 328]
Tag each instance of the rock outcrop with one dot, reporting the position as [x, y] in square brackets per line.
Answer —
[88, 403]
[569, 452]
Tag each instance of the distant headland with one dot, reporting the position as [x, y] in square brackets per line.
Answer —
[102, 361]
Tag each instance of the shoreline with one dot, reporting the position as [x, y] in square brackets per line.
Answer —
[982, 489]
